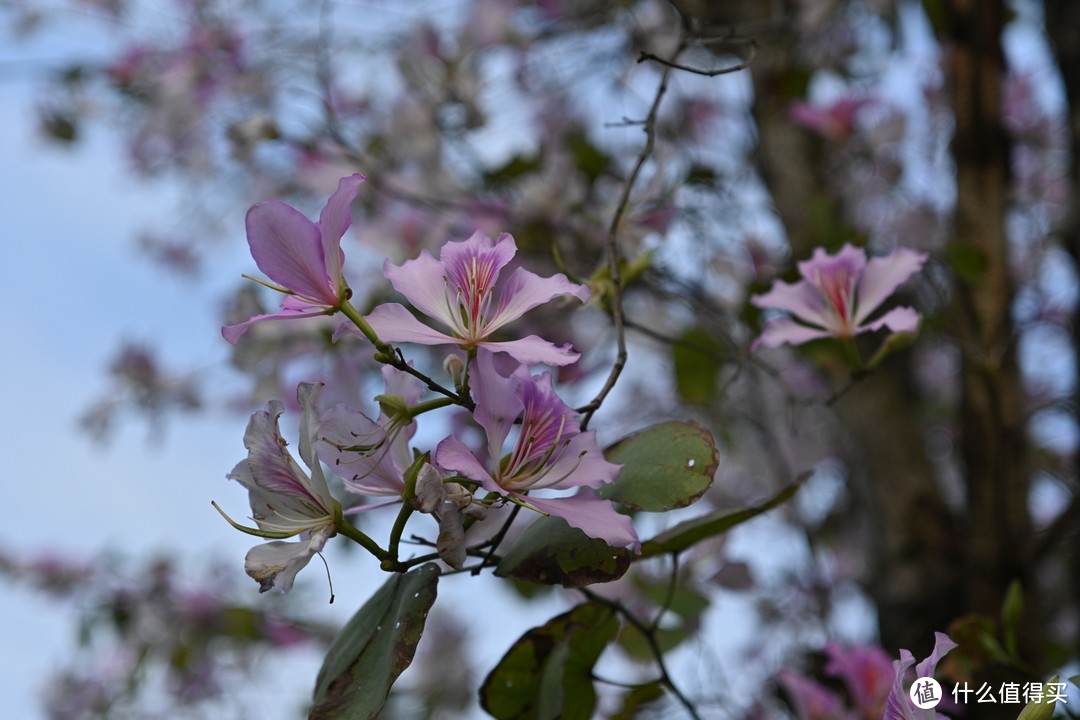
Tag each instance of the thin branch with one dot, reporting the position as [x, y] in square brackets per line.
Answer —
[497, 540]
[647, 56]
[670, 596]
[613, 252]
[654, 646]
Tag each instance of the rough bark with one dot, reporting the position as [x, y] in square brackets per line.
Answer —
[992, 442]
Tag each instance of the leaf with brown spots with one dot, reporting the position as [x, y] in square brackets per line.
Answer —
[375, 647]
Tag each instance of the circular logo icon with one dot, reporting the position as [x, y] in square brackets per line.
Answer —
[925, 693]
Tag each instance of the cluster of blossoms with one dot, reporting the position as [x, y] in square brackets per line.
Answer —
[534, 441]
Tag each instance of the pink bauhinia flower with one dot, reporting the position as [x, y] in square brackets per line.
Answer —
[550, 452]
[302, 257]
[837, 294]
[899, 705]
[371, 456]
[285, 500]
[462, 291]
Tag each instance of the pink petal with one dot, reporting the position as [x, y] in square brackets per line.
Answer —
[378, 472]
[595, 517]
[942, 645]
[882, 276]
[460, 258]
[233, 333]
[498, 400]
[801, 299]
[288, 248]
[533, 350]
[423, 282]
[897, 706]
[851, 258]
[524, 290]
[451, 455]
[901, 319]
[334, 220]
[580, 464]
[393, 323]
[275, 564]
[785, 330]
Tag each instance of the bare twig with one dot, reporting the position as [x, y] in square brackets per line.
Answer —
[654, 647]
[670, 64]
[613, 253]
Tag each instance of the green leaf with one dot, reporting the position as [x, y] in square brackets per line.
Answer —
[1011, 611]
[588, 158]
[547, 674]
[685, 534]
[970, 264]
[514, 168]
[637, 702]
[375, 647]
[681, 621]
[1042, 709]
[665, 466]
[696, 362]
[550, 552]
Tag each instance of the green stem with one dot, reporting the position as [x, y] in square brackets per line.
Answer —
[398, 529]
[357, 319]
[851, 350]
[433, 404]
[348, 530]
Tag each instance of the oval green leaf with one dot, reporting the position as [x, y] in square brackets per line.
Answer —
[547, 674]
[375, 647]
[665, 466]
[550, 552]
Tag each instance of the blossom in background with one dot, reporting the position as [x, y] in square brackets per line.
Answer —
[835, 121]
[837, 294]
[302, 257]
[371, 456]
[285, 501]
[462, 291]
[899, 705]
[550, 452]
[810, 699]
[866, 672]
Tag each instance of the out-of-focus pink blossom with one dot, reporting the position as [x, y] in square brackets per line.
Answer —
[866, 671]
[834, 122]
[837, 295]
[811, 700]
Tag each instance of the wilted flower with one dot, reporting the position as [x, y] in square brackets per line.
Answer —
[285, 501]
[550, 452]
[302, 257]
[899, 705]
[837, 294]
[459, 290]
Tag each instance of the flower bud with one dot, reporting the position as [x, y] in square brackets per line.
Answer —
[455, 368]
